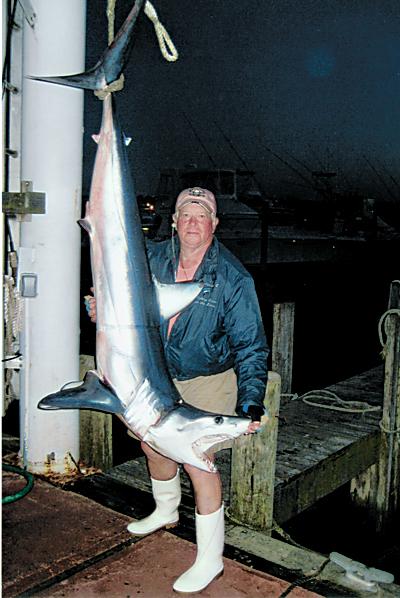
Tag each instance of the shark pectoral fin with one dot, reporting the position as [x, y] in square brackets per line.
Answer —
[91, 394]
[173, 298]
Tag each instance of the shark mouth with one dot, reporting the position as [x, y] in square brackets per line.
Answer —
[202, 448]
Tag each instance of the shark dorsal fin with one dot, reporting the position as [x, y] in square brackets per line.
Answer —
[174, 297]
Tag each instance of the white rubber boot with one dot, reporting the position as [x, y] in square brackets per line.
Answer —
[167, 496]
[210, 546]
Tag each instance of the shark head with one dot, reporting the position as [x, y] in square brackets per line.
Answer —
[189, 435]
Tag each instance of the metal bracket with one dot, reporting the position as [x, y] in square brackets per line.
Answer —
[25, 202]
[13, 362]
[29, 12]
[364, 577]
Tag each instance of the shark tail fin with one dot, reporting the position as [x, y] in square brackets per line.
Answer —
[91, 394]
[110, 65]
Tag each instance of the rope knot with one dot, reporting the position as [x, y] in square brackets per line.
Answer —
[116, 85]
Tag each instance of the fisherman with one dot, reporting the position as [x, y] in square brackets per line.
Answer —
[216, 353]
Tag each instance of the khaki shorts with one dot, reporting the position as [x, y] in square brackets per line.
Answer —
[216, 393]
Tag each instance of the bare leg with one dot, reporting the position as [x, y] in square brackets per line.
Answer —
[207, 489]
[160, 467]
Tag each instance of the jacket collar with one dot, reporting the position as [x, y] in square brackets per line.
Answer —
[207, 272]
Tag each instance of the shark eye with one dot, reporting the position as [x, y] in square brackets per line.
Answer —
[219, 419]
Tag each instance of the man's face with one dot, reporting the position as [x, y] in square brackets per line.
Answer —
[195, 226]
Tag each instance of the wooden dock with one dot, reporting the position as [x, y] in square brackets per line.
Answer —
[318, 449]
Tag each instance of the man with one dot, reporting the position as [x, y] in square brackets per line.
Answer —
[216, 353]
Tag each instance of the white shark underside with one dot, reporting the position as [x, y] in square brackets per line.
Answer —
[131, 377]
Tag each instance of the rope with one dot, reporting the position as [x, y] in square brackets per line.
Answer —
[387, 430]
[380, 325]
[336, 403]
[170, 53]
[13, 309]
[167, 47]
[116, 85]
[110, 19]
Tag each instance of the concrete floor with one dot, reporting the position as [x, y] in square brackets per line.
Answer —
[57, 543]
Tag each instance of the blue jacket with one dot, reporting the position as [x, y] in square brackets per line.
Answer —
[222, 328]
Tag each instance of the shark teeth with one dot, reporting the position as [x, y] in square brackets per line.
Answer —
[205, 443]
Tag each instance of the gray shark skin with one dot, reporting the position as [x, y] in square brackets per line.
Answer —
[131, 378]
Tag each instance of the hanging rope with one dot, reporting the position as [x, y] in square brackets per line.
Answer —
[167, 47]
[110, 19]
[170, 53]
[13, 307]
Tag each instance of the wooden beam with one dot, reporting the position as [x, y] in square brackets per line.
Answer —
[282, 344]
[95, 429]
[305, 489]
[378, 489]
[253, 467]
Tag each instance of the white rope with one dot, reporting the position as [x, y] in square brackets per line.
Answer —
[335, 403]
[167, 47]
[380, 325]
[12, 312]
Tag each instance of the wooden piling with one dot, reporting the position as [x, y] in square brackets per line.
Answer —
[282, 344]
[95, 430]
[378, 489]
[253, 467]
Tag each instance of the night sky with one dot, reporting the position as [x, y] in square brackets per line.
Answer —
[316, 81]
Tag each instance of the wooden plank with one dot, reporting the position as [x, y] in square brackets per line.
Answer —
[302, 491]
[95, 429]
[378, 489]
[253, 467]
[282, 344]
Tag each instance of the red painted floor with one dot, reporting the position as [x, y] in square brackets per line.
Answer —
[51, 534]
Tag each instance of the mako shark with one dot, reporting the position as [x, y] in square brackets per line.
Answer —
[131, 378]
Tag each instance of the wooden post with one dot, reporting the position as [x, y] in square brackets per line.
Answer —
[282, 344]
[253, 467]
[378, 489]
[95, 430]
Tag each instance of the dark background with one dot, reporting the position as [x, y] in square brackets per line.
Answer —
[313, 80]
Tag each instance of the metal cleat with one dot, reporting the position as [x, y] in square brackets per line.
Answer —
[366, 578]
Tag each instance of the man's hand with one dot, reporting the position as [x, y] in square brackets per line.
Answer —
[90, 304]
[255, 413]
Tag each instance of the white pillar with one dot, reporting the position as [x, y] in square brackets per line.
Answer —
[52, 130]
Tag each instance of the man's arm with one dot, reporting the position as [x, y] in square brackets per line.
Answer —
[249, 347]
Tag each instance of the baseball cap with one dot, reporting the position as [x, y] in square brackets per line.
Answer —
[197, 195]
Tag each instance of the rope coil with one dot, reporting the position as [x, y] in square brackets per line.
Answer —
[336, 403]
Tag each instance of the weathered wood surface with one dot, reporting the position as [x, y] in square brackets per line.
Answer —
[317, 450]
[282, 344]
[95, 429]
[253, 467]
[378, 489]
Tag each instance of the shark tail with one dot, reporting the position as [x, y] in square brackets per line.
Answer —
[111, 64]
[91, 394]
